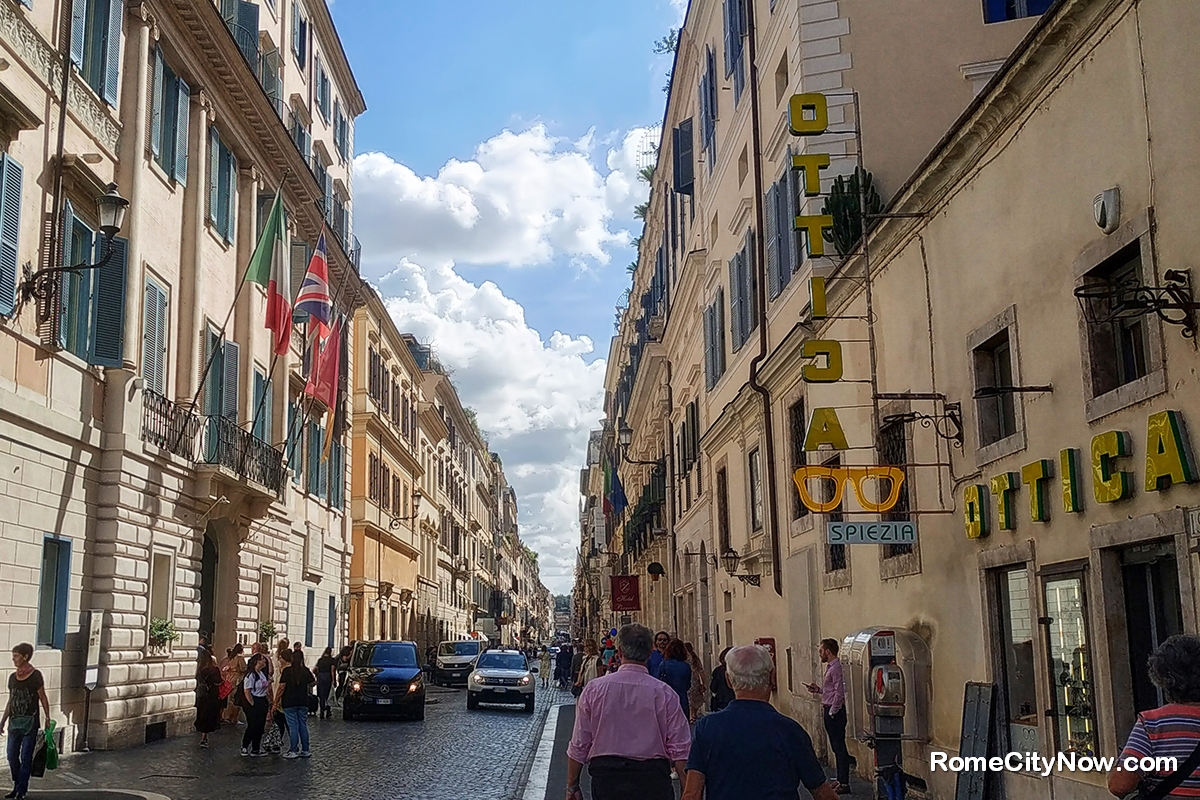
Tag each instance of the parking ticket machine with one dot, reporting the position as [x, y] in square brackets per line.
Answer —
[887, 694]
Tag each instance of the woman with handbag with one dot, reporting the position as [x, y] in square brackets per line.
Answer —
[26, 690]
[209, 703]
[1172, 730]
[233, 671]
[255, 692]
[590, 668]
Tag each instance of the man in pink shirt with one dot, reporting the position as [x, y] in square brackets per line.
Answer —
[833, 705]
[629, 729]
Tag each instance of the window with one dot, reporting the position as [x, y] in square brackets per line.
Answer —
[781, 77]
[270, 65]
[779, 212]
[318, 467]
[295, 450]
[374, 478]
[385, 483]
[754, 479]
[723, 510]
[796, 432]
[300, 35]
[1004, 10]
[310, 610]
[994, 371]
[54, 593]
[170, 109]
[301, 136]
[263, 402]
[241, 17]
[155, 322]
[383, 621]
[11, 174]
[323, 88]
[337, 469]
[708, 108]
[162, 573]
[714, 341]
[332, 621]
[1014, 657]
[341, 131]
[1072, 678]
[222, 186]
[266, 597]
[743, 316]
[893, 451]
[96, 44]
[221, 385]
[92, 302]
[735, 33]
[1119, 346]
[836, 557]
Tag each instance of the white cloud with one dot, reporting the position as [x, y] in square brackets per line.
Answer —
[680, 7]
[525, 198]
[536, 400]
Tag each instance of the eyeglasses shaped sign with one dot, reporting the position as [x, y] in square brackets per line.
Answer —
[854, 475]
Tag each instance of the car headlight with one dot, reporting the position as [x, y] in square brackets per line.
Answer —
[356, 686]
[414, 686]
[525, 681]
[478, 678]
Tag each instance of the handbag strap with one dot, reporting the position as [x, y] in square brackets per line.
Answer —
[1173, 781]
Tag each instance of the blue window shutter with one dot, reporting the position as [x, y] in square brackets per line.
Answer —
[182, 123]
[727, 12]
[108, 306]
[229, 12]
[247, 20]
[79, 14]
[314, 458]
[154, 332]
[787, 220]
[65, 282]
[229, 380]
[719, 333]
[157, 98]
[268, 414]
[112, 55]
[309, 613]
[214, 175]
[62, 592]
[260, 388]
[735, 306]
[708, 347]
[770, 220]
[11, 174]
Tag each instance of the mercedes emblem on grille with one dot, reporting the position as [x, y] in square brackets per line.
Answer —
[384, 690]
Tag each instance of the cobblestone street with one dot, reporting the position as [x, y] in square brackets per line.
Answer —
[453, 754]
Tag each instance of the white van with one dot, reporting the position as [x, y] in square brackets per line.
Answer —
[455, 660]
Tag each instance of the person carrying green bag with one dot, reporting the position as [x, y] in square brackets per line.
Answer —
[51, 746]
[26, 690]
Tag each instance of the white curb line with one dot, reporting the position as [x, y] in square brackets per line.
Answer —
[539, 772]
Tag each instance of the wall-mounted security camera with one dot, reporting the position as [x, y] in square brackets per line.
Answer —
[1107, 208]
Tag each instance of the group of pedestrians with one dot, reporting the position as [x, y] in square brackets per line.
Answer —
[274, 693]
[633, 727]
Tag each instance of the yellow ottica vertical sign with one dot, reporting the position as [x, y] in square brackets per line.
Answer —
[811, 165]
[832, 371]
[1068, 461]
[1035, 476]
[1167, 458]
[816, 296]
[1003, 486]
[975, 506]
[808, 114]
[1108, 483]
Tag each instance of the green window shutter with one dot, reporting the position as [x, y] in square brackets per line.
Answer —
[247, 38]
[65, 283]
[299, 266]
[11, 174]
[183, 98]
[296, 30]
[750, 285]
[214, 175]
[230, 208]
[79, 15]
[314, 457]
[260, 388]
[268, 414]
[735, 306]
[329, 198]
[323, 463]
[229, 381]
[294, 443]
[709, 372]
[108, 305]
[719, 336]
[112, 51]
[229, 11]
[154, 338]
[156, 107]
[770, 220]
[212, 373]
[787, 216]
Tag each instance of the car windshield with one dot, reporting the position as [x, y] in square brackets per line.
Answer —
[501, 661]
[459, 649]
[385, 654]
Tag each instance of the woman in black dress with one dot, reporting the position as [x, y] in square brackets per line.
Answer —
[208, 696]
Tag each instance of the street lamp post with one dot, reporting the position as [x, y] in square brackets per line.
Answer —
[110, 209]
[624, 439]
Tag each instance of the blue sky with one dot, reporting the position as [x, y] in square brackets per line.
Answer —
[494, 186]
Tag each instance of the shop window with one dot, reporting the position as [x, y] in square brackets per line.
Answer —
[1153, 612]
[1014, 657]
[1072, 689]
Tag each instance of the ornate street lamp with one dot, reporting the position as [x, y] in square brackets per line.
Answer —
[624, 439]
[730, 559]
[110, 210]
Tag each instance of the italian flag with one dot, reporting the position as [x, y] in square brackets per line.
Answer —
[268, 270]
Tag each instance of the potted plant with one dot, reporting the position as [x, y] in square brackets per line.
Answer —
[162, 634]
[266, 630]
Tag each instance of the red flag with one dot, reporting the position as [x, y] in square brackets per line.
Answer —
[326, 363]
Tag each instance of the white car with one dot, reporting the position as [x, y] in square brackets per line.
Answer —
[501, 676]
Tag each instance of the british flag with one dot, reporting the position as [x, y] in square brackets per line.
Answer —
[314, 291]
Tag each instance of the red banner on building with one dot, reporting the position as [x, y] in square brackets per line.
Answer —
[626, 594]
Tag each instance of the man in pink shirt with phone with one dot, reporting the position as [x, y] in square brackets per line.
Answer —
[833, 705]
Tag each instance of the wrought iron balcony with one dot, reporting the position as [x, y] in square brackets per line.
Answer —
[214, 441]
[247, 42]
[224, 444]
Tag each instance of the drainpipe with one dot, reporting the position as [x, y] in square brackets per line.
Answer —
[670, 479]
[761, 261]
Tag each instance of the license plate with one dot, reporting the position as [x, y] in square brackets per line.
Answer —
[384, 701]
[499, 689]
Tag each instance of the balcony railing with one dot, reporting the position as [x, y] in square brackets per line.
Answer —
[247, 42]
[210, 440]
[169, 426]
[226, 445]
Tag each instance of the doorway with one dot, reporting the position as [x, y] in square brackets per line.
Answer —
[1150, 577]
[208, 586]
